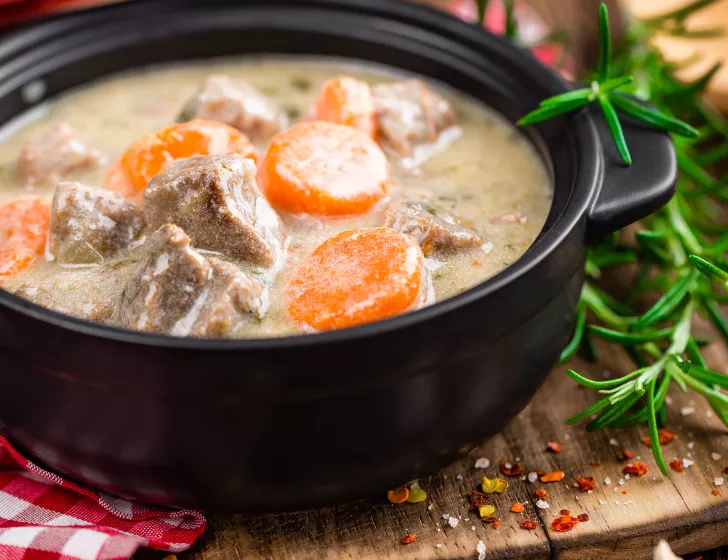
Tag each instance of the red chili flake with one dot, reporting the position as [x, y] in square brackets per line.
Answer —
[714, 492]
[496, 524]
[528, 525]
[624, 491]
[511, 469]
[489, 519]
[663, 436]
[541, 493]
[596, 463]
[478, 499]
[564, 512]
[626, 455]
[518, 507]
[409, 539]
[586, 483]
[583, 517]
[553, 476]
[564, 523]
[554, 446]
[638, 467]
[677, 465]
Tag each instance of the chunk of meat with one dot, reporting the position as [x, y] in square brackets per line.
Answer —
[216, 201]
[89, 225]
[86, 293]
[237, 104]
[175, 290]
[54, 156]
[409, 113]
[434, 230]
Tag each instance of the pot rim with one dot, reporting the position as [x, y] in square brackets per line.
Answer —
[586, 183]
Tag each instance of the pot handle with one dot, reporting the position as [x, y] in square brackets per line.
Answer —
[629, 193]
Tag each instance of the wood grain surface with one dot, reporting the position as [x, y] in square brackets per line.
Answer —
[623, 524]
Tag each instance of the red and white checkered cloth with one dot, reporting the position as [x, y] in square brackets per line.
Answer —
[45, 517]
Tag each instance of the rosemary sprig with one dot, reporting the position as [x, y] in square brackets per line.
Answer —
[604, 91]
[680, 251]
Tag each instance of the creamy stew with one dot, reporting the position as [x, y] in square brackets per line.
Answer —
[261, 197]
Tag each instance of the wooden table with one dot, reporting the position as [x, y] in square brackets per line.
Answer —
[623, 524]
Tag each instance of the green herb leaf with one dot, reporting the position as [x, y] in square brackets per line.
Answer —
[610, 115]
[652, 117]
[605, 43]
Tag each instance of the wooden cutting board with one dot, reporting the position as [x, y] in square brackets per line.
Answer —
[680, 509]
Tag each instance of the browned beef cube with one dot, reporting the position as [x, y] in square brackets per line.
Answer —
[434, 230]
[237, 104]
[54, 156]
[87, 293]
[176, 290]
[90, 225]
[409, 113]
[217, 202]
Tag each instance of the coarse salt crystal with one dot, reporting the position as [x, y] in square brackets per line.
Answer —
[620, 482]
[615, 489]
[415, 484]
[482, 463]
[518, 459]
[566, 437]
[459, 477]
[480, 549]
[438, 546]
[617, 502]
[709, 414]
[541, 504]
[431, 507]
[626, 476]
[453, 522]
[607, 481]
[716, 456]
[606, 374]
[627, 502]
[613, 442]
[444, 476]
[438, 529]
[668, 399]
[602, 502]
[691, 444]
[507, 466]
[446, 516]
[473, 527]
[532, 476]
[688, 463]
[719, 481]
[687, 410]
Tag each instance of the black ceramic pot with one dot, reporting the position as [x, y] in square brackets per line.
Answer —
[268, 425]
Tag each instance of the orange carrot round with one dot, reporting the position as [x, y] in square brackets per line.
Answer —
[150, 154]
[348, 101]
[323, 168]
[24, 227]
[355, 277]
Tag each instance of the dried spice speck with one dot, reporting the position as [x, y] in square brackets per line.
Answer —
[528, 525]
[553, 476]
[554, 447]
[564, 523]
[541, 493]
[625, 455]
[677, 465]
[583, 517]
[638, 467]
[586, 483]
[511, 469]
[496, 525]
[663, 436]
[518, 507]
[565, 512]
[409, 539]
[714, 492]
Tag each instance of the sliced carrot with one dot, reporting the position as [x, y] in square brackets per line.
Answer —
[150, 154]
[24, 227]
[355, 277]
[323, 168]
[346, 100]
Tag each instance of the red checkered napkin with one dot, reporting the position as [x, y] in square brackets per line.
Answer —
[45, 517]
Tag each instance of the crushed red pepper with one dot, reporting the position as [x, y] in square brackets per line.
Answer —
[564, 512]
[478, 499]
[596, 463]
[624, 491]
[528, 525]
[663, 436]
[541, 493]
[638, 468]
[677, 465]
[398, 495]
[586, 483]
[583, 517]
[409, 539]
[554, 447]
[564, 523]
[553, 476]
[626, 455]
[714, 492]
[511, 468]
[496, 524]
[518, 507]
[489, 519]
